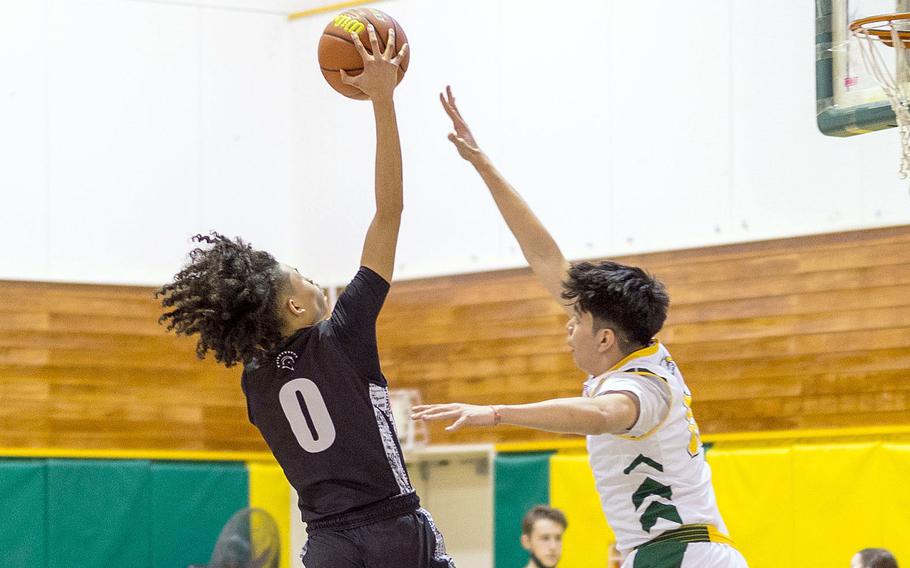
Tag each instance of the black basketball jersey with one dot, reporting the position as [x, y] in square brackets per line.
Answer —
[322, 405]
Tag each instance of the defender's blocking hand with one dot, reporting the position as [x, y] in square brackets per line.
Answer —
[461, 414]
[462, 138]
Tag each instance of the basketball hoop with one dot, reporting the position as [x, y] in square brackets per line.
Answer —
[889, 30]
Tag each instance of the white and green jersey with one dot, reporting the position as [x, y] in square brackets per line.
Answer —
[654, 478]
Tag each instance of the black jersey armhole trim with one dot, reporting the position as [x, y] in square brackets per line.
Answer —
[337, 345]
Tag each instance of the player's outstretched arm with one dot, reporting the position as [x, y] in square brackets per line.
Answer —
[538, 247]
[612, 413]
[378, 80]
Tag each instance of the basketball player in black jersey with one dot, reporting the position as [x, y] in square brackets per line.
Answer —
[312, 379]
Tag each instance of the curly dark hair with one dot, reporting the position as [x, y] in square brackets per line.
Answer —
[624, 298]
[229, 295]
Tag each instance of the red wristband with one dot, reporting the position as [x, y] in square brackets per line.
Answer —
[496, 417]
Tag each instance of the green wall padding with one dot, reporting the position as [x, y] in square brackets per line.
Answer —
[190, 503]
[131, 513]
[23, 495]
[98, 513]
[522, 481]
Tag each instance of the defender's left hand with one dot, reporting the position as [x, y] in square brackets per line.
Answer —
[462, 414]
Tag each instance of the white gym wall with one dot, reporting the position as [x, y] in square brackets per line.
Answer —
[128, 125]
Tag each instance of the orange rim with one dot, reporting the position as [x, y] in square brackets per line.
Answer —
[880, 27]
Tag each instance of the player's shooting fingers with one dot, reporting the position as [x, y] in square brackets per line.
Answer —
[364, 54]
[401, 54]
[374, 41]
[389, 45]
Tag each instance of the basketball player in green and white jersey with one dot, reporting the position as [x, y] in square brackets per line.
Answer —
[643, 441]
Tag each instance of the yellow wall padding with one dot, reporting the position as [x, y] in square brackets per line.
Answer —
[754, 489]
[586, 543]
[894, 495]
[269, 490]
[794, 505]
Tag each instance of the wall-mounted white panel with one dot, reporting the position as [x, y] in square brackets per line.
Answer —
[557, 100]
[124, 138]
[23, 141]
[247, 114]
[332, 138]
[671, 127]
[450, 219]
[628, 127]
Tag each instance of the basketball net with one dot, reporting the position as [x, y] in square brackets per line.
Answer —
[876, 35]
[411, 434]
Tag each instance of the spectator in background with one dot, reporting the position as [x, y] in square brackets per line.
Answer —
[541, 535]
[873, 558]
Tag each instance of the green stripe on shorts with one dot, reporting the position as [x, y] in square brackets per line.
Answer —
[667, 554]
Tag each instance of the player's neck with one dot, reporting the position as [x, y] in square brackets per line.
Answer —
[604, 364]
[292, 327]
[613, 358]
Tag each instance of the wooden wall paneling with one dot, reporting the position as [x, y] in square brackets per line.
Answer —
[773, 335]
[808, 332]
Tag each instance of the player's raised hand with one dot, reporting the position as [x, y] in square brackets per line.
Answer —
[460, 414]
[380, 69]
[462, 138]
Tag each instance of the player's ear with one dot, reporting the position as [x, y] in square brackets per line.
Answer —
[606, 339]
[526, 542]
[295, 309]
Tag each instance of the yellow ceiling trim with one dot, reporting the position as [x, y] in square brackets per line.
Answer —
[327, 8]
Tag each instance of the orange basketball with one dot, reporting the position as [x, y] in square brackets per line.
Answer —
[337, 51]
